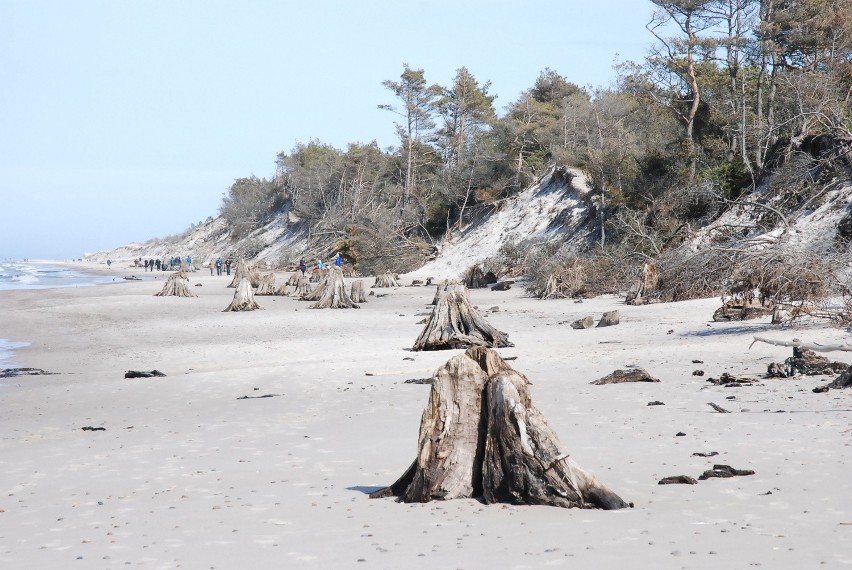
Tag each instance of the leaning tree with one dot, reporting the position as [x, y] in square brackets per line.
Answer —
[333, 295]
[176, 286]
[481, 437]
[243, 298]
[454, 323]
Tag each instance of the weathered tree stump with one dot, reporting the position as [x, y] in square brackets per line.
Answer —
[318, 275]
[266, 286]
[807, 362]
[481, 437]
[356, 293]
[244, 271]
[454, 323]
[303, 287]
[293, 280]
[243, 298]
[317, 293]
[609, 319]
[441, 286]
[176, 286]
[386, 279]
[474, 278]
[645, 282]
[334, 294]
[584, 323]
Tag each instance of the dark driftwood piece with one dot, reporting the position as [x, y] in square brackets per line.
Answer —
[621, 376]
[584, 323]
[266, 286]
[334, 295]
[724, 472]
[454, 323]
[678, 480]
[357, 292]
[143, 374]
[386, 279]
[14, 372]
[243, 298]
[481, 437]
[609, 318]
[176, 286]
[807, 362]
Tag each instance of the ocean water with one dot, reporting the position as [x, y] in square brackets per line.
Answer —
[29, 275]
[7, 349]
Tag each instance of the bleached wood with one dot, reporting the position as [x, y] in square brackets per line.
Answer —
[800, 344]
[176, 286]
[243, 298]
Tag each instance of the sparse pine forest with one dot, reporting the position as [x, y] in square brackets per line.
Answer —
[740, 106]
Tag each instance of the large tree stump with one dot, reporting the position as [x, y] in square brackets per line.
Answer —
[266, 286]
[176, 286]
[481, 437]
[441, 287]
[334, 294]
[244, 271]
[243, 298]
[357, 292]
[474, 278]
[386, 279]
[318, 291]
[454, 323]
[293, 280]
[303, 287]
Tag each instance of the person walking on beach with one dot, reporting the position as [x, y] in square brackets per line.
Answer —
[303, 267]
[228, 265]
[210, 265]
[146, 264]
[109, 263]
[218, 266]
[189, 263]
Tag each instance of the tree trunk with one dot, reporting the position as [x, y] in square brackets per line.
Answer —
[386, 279]
[176, 286]
[244, 271]
[266, 286]
[334, 294]
[454, 323]
[317, 293]
[441, 286]
[293, 280]
[481, 437]
[243, 298]
[357, 292]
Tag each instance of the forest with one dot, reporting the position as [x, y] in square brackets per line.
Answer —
[733, 92]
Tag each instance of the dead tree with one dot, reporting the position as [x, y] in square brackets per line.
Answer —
[266, 286]
[293, 280]
[454, 323]
[176, 286]
[243, 298]
[441, 286]
[481, 437]
[334, 294]
[386, 279]
[357, 292]
[317, 293]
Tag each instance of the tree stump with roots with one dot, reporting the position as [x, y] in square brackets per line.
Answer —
[386, 279]
[176, 286]
[243, 298]
[266, 286]
[356, 293]
[481, 437]
[244, 271]
[293, 280]
[334, 294]
[316, 294]
[303, 287]
[454, 323]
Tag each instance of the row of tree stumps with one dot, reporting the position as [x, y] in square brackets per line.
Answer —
[480, 435]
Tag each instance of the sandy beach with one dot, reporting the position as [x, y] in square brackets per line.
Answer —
[188, 473]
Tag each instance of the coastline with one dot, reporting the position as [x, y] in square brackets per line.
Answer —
[185, 472]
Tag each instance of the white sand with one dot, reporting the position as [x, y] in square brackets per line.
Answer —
[186, 475]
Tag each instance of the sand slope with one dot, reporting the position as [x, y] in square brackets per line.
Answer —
[187, 475]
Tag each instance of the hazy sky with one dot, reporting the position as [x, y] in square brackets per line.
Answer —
[125, 120]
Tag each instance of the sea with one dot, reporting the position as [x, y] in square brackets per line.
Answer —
[16, 274]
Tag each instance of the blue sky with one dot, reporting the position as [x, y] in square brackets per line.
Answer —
[125, 120]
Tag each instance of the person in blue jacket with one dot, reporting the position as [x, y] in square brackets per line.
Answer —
[338, 261]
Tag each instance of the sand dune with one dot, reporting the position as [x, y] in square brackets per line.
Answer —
[188, 474]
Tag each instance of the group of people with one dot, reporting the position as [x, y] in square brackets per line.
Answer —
[171, 264]
[218, 265]
[319, 264]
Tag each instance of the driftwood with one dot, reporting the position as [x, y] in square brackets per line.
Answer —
[677, 480]
[334, 295]
[357, 292]
[736, 310]
[14, 372]
[584, 323]
[143, 374]
[441, 287]
[454, 323]
[386, 279]
[839, 383]
[609, 319]
[724, 472]
[243, 298]
[807, 362]
[266, 286]
[622, 376]
[718, 408]
[809, 345]
[645, 282]
[474, 278]
[481, 437]
[176, 286]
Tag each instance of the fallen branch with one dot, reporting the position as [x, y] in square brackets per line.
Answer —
[799, 344]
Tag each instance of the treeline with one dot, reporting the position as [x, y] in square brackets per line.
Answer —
[678, 138]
